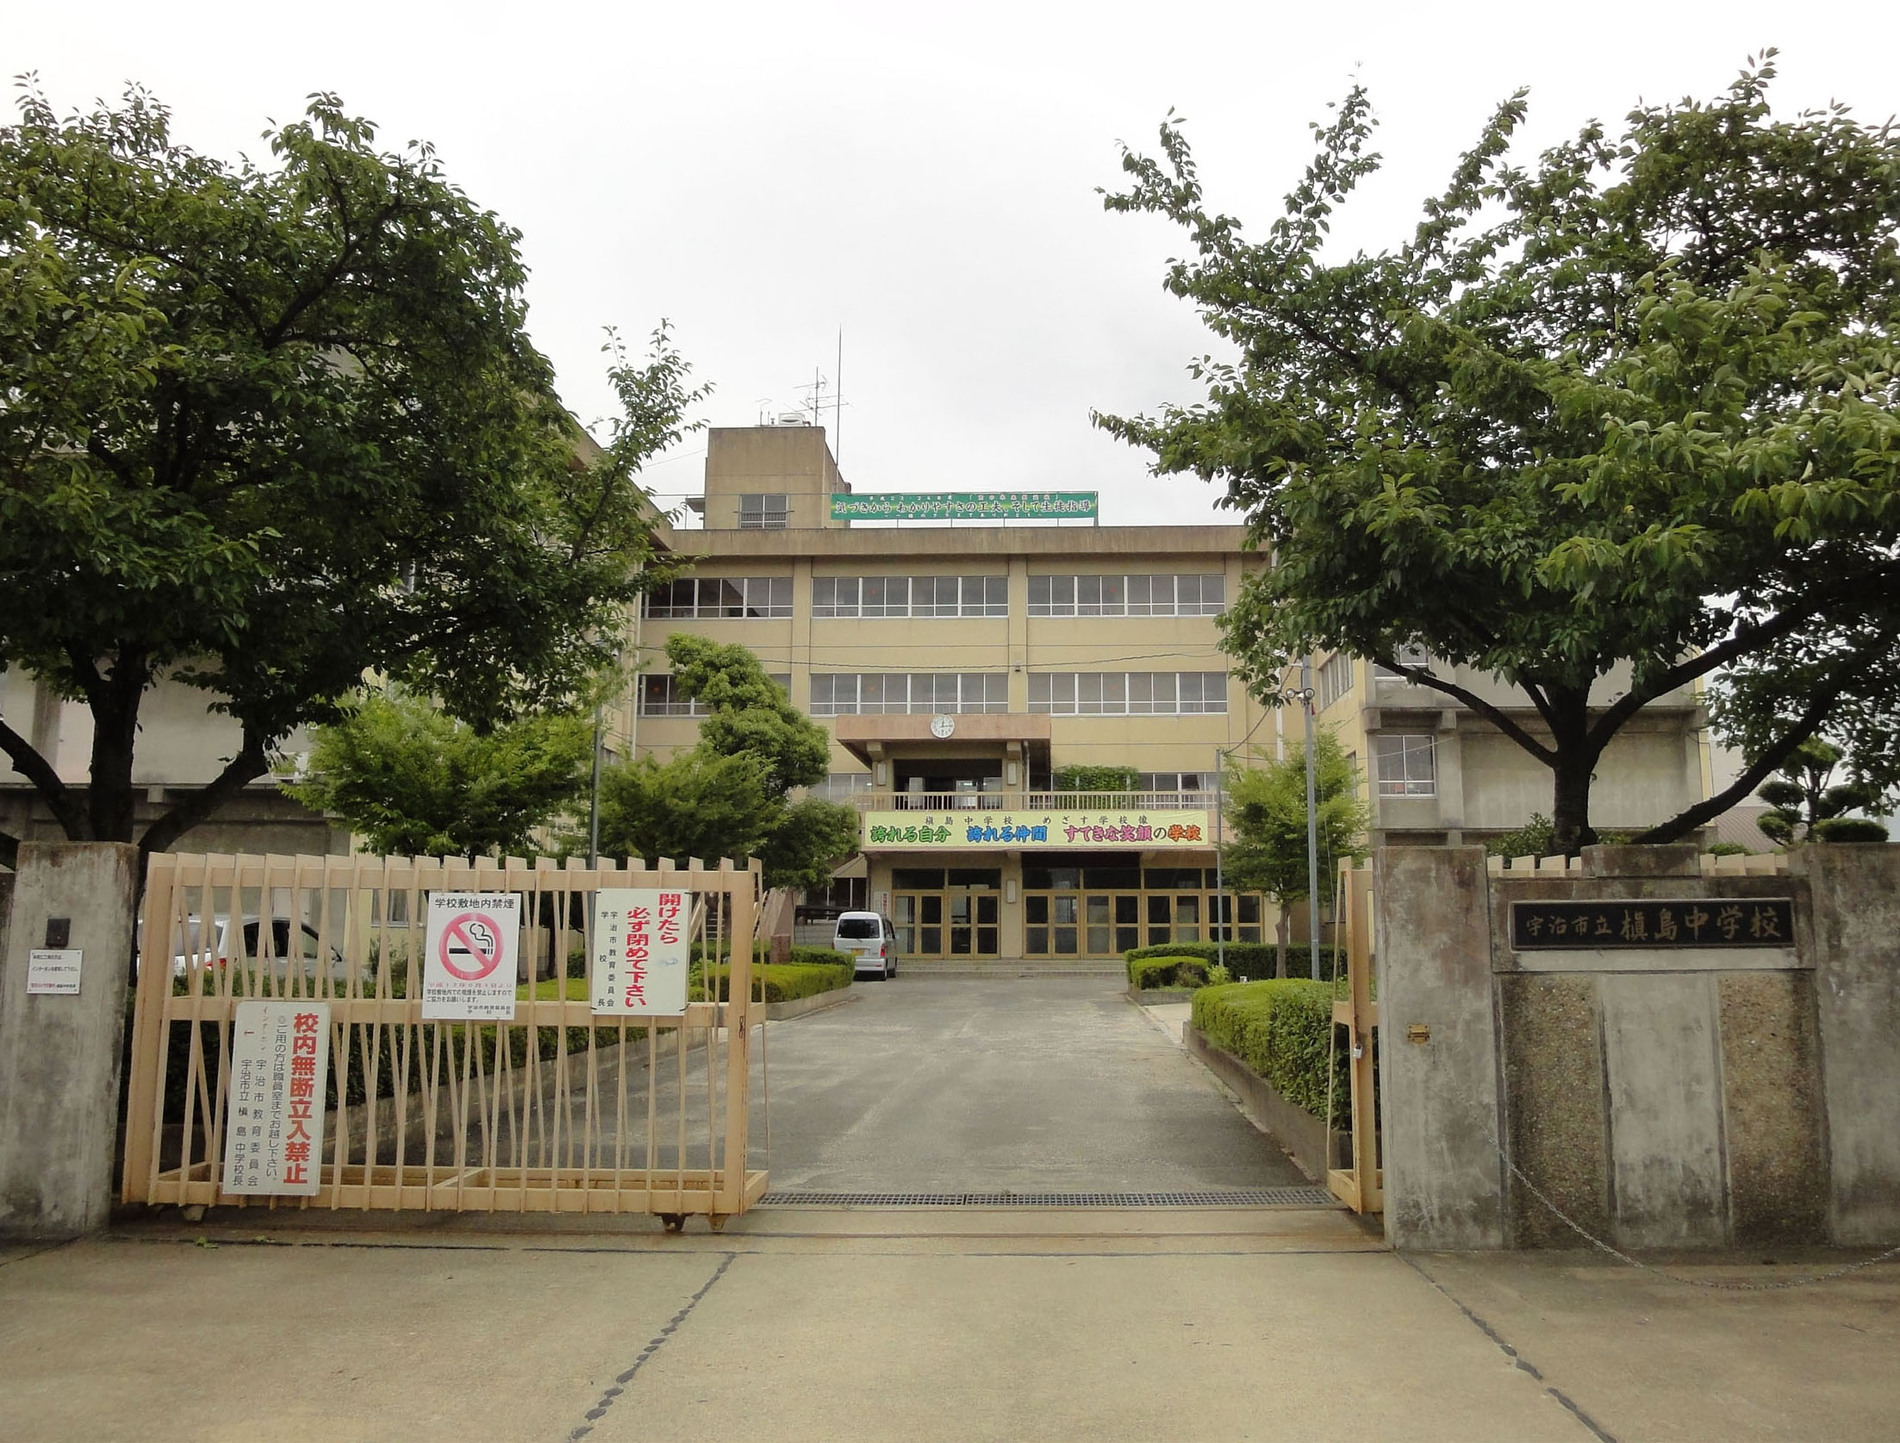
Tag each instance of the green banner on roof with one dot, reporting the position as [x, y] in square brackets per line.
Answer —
[966, 506]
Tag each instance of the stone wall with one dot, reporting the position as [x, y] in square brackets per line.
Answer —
[1664, 1095]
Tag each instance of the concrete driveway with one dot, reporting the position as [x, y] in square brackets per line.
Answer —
[1021, 1085]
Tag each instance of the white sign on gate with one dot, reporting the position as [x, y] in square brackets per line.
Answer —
[468, 963]
[53, 970]
[279, 1069]
[640, 956]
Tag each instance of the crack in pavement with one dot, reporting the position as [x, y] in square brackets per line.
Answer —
[658, 1341]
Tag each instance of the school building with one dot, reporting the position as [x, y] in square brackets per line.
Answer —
[960, 668]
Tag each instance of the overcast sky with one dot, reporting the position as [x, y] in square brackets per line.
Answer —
[923, 177]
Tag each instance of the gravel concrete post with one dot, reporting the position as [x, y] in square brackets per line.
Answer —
[1444, 1183]
[59, 1053]
[1856, 892]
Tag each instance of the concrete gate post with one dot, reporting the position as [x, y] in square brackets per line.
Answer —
[60, 1053]
[1856, 893]
[1438, 1054]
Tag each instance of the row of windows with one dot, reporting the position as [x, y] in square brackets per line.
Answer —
[659, 696]
[861, 693]
[699, 598]
[1130, 693]
[706, 597]
[1333, 682]
[1127, 595]
[910, 596]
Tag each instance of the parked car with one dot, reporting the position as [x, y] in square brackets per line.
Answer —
[871, 940]
[310, 946]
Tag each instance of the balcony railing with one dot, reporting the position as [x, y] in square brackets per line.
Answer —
[1032, 802]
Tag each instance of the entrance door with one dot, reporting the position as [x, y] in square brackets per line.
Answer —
[973, 924]
[919, 923]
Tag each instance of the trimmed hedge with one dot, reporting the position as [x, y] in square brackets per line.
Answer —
[788, 981]
[1149, 972]
[1246, 961]
[1280, 1030]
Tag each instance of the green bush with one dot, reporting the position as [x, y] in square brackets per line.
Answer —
[823, 957]
[788, 981]
[1169, 971]
[1249, 961]
[1280, 1030]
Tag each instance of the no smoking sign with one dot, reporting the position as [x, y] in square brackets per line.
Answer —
[468, 968]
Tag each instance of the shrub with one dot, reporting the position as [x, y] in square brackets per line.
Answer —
[788, 981]
[1728, 849]
[1250, 961]
[1172, 971]
[823, 957]
[1280, 1030]
[1849, 829]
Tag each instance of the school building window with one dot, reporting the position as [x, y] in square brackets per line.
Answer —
[1334, 681]
[660, 695]
[705, 597]
[1194, 595]
[1128, 693]
[1405, 656]
[765, 511]
[857, 596]
[864, 693]
[1405, 764]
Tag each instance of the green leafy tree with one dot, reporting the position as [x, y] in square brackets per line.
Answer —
[696, 804]
[411, 780]
[1266, 815]
[727, 796]
[270, 426]
[1083, 778]
[1633, 403]
[1808, 803]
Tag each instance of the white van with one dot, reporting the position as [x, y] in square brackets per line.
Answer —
[871, 939]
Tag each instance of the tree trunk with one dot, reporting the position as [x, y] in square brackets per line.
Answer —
[1281, 931]
[110, 803]
[1570, 803]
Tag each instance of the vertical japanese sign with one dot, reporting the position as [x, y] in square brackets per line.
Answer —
[468, 962]
[640, 957]
[279, 1068]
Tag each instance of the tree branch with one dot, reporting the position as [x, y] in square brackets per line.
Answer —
[1485, 709]
[249, 764]
[1809, 723]
[1748, 638]
[66, 806]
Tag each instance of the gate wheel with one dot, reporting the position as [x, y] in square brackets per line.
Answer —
[716, 1221]
[673, 1222]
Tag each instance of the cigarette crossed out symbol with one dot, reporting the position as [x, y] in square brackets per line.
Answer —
[471, 946]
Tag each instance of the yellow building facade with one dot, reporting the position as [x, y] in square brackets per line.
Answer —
[960, 668]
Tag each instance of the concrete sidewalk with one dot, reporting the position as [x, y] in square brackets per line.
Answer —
[916, 1325]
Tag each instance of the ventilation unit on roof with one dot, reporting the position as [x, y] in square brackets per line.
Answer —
[792, 418]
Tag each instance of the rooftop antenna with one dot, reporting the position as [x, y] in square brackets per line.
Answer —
[822, 394]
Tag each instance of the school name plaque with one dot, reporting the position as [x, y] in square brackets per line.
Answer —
[1651, 923]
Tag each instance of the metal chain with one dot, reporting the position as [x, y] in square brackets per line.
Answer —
[1721, 1285]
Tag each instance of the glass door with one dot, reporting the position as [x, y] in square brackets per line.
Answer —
[918, 918]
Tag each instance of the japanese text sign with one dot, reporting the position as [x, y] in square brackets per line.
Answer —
[468, 963]
[955, 831]
[1651, 922]
[965, 506]
[639, 962]
[53, 970]
[279, 1069]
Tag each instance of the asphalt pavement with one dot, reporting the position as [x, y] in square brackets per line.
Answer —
[963, 1084]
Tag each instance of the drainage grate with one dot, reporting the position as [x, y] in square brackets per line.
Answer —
[1256, 1197]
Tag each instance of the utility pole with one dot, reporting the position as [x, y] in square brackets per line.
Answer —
[1312, 819]
[1303, 694]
